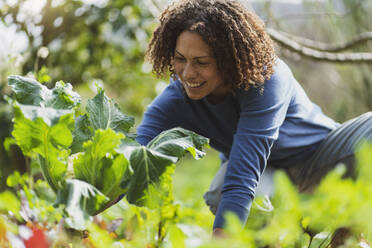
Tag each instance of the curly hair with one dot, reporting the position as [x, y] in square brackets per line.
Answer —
[243, 50]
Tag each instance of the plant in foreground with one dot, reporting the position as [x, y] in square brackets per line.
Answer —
[91, 159]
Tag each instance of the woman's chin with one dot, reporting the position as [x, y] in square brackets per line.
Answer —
[194, 97]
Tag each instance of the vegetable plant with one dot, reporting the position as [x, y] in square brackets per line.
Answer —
[92, 159]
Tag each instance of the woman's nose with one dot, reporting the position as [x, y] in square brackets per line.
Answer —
[189, 72]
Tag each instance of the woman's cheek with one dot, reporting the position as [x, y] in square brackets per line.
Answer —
[178, 70]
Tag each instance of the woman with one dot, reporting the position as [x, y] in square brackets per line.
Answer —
[228, 85]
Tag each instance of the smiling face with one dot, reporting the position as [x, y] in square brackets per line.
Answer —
[196, 66]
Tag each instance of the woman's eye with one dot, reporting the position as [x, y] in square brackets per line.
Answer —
[203, 63]
[179, 59]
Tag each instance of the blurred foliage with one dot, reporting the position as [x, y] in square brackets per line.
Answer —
[342, 90]
[88, 42]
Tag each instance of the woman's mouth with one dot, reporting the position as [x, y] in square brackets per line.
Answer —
[194, 85]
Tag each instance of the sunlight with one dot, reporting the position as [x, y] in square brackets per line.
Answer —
[33, 7]
[12, 42]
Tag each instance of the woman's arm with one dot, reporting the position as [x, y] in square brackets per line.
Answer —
[261, 116]
[160, 115]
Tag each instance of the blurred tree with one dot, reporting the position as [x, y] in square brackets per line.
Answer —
[342, 89]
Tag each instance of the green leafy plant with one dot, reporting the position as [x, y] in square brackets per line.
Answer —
[90, 160]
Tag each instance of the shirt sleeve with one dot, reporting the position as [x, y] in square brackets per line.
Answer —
[160, 115]
[261, 115]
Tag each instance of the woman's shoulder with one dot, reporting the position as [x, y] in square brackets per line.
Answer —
[282, 72]
[279, 86]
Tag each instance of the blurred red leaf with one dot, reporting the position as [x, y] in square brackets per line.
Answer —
[37, 240]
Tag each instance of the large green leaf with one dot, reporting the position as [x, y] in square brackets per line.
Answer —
[148, 166]
[27, 90]
[114, 173]
[49, 116]
[99, 164]
[151, 161]
[63, 97]
[30, 92]
[48, 133]
[81, 201]
[81, 133]
[176, 141]
[43, 124]
[102, 113]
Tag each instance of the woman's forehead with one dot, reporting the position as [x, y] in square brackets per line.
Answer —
[192, 44]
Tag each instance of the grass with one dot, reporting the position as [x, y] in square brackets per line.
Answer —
[190, 181]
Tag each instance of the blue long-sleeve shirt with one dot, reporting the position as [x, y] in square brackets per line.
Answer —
[278, 125]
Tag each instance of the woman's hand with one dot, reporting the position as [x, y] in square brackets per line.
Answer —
[219, 233]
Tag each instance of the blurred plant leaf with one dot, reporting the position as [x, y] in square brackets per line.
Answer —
[284, 226]
[100, 237]
[9, 202]
[82, 200]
